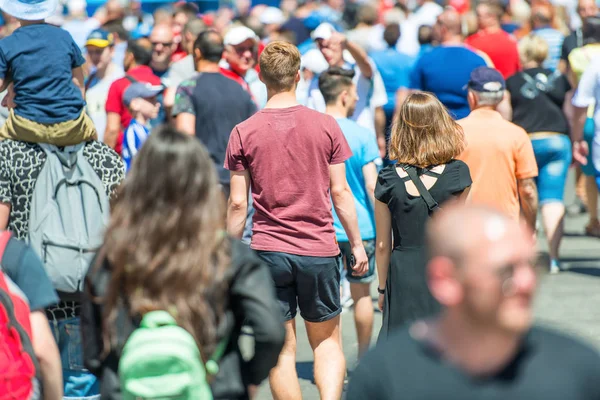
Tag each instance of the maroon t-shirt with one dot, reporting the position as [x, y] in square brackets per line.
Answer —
[288, 152]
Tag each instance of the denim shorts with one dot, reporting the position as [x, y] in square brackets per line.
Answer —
[346, 251]
[310, 283]
[79, 383]
[553, 156]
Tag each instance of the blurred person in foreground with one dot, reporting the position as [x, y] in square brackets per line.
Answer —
[484, 343]
[499, 153]
[537, 96]
[176, 257]
[294, 158]
[340, 96]
[425, 142]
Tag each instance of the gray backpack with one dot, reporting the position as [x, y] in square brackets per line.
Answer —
[69, 213]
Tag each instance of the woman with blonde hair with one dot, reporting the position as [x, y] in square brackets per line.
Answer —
[537, 96]
[424, 142]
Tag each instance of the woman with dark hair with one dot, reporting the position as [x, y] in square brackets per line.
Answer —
[166, 249]
[425, 141]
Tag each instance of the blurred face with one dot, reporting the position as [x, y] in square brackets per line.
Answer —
[485, 17]
[586, 9]
[332, 52]
[179, 21]
[99, 57]
[149, 108]
[162, 45]
[499, 278]
[437, 30]
[241, 57]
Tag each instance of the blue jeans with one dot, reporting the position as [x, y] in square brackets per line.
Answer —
[78, 382]
[553, 156]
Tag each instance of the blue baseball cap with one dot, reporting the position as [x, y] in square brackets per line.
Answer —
[486, 79]
[141, 90]
[99, 38]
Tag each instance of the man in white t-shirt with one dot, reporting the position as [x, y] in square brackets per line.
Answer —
[103, 72]
[339, 52]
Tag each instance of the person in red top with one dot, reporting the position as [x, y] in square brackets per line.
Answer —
[294, 157]
[137, 59]
[492, 40]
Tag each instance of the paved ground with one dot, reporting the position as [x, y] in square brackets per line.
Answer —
[569, 301]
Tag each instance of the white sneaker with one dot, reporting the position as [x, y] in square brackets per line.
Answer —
[554, 267]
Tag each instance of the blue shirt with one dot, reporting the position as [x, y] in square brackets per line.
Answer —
[40, 59]
[444, 71]
[555, 40]
[394, 68]
[364, 148]
[134, 137]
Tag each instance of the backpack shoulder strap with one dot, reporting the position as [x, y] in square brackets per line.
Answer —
[432, 205]
[131, 79]
[212, 365]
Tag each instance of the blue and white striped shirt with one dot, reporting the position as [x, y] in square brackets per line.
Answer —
[134, 137]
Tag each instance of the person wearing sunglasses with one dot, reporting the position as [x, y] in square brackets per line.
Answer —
[483, 344]
[163, 47]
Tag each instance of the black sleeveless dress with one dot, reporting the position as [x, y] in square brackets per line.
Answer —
[407, 297]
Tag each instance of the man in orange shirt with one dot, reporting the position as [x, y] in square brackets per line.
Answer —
[499, 153]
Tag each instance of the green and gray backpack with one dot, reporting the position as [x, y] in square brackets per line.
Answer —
[160, 360]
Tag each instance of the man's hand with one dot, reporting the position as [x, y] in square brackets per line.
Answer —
[362, 262]
[380, 301]
[337, 40]
[580, 152]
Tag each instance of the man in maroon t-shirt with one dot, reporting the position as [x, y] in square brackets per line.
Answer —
[295, 157]
[493, 41]
[137, 59]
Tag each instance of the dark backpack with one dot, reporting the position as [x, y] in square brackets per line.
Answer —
[18, 364]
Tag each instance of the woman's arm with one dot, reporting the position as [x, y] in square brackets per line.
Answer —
[383, 241]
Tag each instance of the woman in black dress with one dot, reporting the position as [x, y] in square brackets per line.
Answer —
[424, 142]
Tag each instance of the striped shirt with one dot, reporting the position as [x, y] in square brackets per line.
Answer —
[134, 137]
[554, 39]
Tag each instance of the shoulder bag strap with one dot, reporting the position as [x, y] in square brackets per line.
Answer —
[432, 205]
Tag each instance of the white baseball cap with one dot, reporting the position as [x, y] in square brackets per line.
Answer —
[272, 15]
[314, 61]
[323, 31]
[238, 35]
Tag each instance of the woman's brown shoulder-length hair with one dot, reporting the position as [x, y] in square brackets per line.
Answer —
[424, 134]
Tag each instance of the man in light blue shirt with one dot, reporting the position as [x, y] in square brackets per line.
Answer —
[542, 27]
[340, 95]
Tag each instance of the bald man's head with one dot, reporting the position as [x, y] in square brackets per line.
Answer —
[587, 9]
[458, 231]
[450, 19]
[482, 267]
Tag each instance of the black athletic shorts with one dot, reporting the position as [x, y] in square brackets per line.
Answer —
[312, 283]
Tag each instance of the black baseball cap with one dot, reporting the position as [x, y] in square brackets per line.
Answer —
[486, 79]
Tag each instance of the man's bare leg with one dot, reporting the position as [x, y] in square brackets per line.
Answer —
[284, 378]
[363, 315]
[330, 365]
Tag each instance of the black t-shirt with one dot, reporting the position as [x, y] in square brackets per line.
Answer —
[548, 366]
[571, 42]
[219, 104]
[537, 97]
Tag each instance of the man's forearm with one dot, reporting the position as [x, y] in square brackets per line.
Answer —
[343, 203]
[529, 201]
[360, 56]
[236, 219]
[579, 117]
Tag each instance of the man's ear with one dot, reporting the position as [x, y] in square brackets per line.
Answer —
[134, 105]
[197, 55]
[297, 78]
